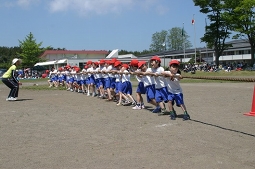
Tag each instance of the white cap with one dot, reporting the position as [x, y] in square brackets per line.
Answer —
[14, 60]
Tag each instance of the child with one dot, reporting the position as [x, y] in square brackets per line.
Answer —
[175, 90]
[149, 84]
[125, 87]
[160, 88]
[140, 88]
[52, 76]
[117, 66]
[10, 80]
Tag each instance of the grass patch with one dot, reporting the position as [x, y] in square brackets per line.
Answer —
[187, 80]
[221, 73]
[42, 87]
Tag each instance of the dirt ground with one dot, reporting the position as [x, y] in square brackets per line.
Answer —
[65, 130]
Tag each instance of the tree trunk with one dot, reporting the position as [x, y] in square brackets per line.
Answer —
[217, 57]
[252, 54]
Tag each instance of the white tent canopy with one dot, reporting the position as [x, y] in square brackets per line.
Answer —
[61, 61]
[45, 63]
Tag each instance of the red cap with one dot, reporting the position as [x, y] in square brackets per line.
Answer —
[60, 69]
[141, 63]
[125, 66]
[77, 69]
[117, 63]
[102, 61]
[89, 62]
[86, 67]
[134, 62]
[108, 62]
[113, 61]
[174, 62]
[96, 63]
[156, 58]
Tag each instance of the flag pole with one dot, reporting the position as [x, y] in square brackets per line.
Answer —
[193, 23]
[183, 39]
[206, 43]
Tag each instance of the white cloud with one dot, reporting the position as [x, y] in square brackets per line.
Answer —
[88, 7]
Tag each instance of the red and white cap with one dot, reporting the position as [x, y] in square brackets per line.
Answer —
[156, 58]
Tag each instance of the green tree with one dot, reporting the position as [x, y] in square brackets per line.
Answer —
[218, 30]
[176, 38]
[7, 54]
[158, 41]
[30, 51]
[241, 15]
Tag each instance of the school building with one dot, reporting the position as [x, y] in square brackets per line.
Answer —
[239, 52]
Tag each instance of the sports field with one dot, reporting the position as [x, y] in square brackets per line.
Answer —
[57, 129]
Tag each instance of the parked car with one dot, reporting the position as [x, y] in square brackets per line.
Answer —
[2, 71]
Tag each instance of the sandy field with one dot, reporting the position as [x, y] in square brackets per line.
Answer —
[65, 130]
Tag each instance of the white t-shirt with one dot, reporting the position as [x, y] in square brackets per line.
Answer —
[139, 79]
[84, 76]
[105, 75]
[89, 70]
[159, 80]
[147, 79]
[125, 77]
[118, 77]
[68, 76]
[173, 86]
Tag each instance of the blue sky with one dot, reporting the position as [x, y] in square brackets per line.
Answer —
[97, 24]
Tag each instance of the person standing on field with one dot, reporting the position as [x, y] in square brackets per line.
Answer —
[10, 80]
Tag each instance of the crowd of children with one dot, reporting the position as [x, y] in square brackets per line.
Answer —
[110, 80]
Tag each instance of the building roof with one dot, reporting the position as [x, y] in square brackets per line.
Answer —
[236, 44]
[104, 52]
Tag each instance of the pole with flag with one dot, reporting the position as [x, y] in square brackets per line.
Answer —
[193, 23]
[164, 45]
[206, 43]
[183, 39]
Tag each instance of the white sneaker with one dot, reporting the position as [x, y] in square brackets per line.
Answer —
[11, 99]
[143, 107]
[136, 108]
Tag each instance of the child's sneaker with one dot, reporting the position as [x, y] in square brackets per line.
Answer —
[137, 107]
[186, 116]
[143, 107]
[172, 115]
[127, 103]
[156, 110]
[163, 112]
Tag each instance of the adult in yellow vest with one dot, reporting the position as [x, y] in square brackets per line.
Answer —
[11, 81]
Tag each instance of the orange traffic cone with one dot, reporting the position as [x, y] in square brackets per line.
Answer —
[252, 112]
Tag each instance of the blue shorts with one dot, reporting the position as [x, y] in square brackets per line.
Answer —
[71, 80]
[140, 88]
[97, 83]
[150, 92]
[101, 82]
[118, 85]
[161, 95]
[61, 79]
[126, 88]
[113, 83]
[107, 83]
[92, 79]
[178, 98]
